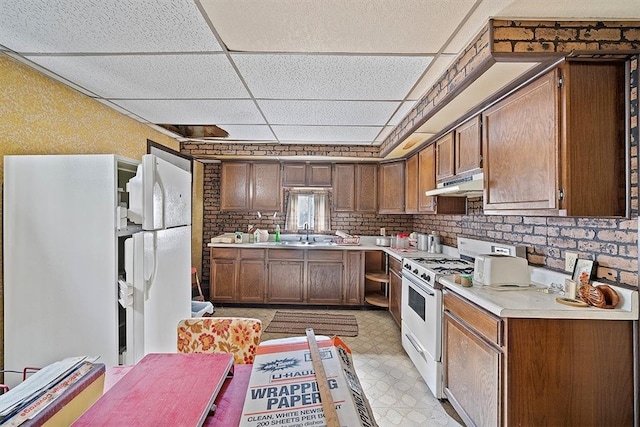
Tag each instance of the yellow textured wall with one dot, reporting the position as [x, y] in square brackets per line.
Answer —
[39, 115]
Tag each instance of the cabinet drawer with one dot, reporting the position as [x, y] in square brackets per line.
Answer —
[252, 253]
[217, 253]
[324, 255]
[485, 324]
[286, 254]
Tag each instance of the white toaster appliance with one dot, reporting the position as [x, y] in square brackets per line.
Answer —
[501, 270]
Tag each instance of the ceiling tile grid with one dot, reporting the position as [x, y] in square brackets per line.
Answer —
[289, 71]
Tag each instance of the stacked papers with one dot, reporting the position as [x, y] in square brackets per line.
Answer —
[41, 389]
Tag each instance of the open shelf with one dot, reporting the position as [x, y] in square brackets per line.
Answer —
[378, 298]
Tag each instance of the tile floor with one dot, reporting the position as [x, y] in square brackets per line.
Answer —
[395, 389]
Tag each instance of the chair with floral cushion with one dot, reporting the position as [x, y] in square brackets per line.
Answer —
[236, 335]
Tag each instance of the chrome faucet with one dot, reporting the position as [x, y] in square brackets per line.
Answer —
[306, 228]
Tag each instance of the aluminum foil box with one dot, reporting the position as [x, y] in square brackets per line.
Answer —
[283, 390]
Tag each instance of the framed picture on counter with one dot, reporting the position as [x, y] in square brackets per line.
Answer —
[583, 271]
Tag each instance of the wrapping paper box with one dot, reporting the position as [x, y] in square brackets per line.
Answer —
[283, 390]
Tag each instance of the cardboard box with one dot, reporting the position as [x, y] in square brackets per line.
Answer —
[283, 390]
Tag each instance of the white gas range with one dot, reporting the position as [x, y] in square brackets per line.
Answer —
[422, 310]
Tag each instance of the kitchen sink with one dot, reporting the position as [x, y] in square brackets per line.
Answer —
[304, 243]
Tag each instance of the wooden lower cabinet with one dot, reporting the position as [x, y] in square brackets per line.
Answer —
[472, 374]
[237, 275]
[286, 282]
[223, 274]
[354, 278]
[251, 280]
[536, 372]
[395, 289]
[287, 276]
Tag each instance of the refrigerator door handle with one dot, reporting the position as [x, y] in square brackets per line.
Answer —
[156, 215]
[150, 266]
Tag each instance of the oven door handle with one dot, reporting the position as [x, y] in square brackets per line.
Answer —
[419, 285]
[415, 345]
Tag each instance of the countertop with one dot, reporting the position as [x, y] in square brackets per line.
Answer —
[531, 303]
[367, 243]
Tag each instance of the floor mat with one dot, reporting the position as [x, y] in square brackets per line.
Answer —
[287, 322]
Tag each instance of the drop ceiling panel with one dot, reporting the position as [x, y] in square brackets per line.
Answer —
[194, 112]
[364, 26]
[327, 134]
[40, 26]
[150, 76]
[330, 76]
[327, 112]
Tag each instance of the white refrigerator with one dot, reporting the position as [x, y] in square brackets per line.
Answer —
[97, 258]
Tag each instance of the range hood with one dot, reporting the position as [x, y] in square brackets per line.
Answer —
[471, 186]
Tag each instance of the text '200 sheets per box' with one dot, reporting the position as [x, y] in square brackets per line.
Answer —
[283, 390]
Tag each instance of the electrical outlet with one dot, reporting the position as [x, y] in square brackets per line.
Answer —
[383, 231]
[570, 259]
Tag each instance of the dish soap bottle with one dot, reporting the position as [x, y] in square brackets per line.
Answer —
[277, 232]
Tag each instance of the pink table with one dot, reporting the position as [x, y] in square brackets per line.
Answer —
[162, 389]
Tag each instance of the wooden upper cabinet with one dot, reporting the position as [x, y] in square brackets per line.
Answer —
[355, 187]
[426, 179]
[391, 187]
[319, 175]
[235, 186]
[556, 146]
[468, 153]
[307, 175]
[411, 185]
[266, 190]
[249, 186]
[445, 157]
[366, 187]
[294, 175]
[344, 187]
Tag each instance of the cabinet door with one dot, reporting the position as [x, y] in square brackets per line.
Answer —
[395, 296]
[444, 157]
[391, 188]
[286, 281]
[411, 184]
[235, 186]
[251, 280]
[426, 179]
[324, 282]
[344, 181]
[318, 175]
[223, 279]
[354, 278]
[472, 374]
[266, 187]
[367, 187]
[520, 149]
[294, 175]
[468, 148]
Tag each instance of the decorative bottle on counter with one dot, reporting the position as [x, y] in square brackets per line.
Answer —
[277, 233]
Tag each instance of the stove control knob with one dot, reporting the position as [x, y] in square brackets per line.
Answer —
[428, 278]
[424, 276]
[407, 266]
[415, 271]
